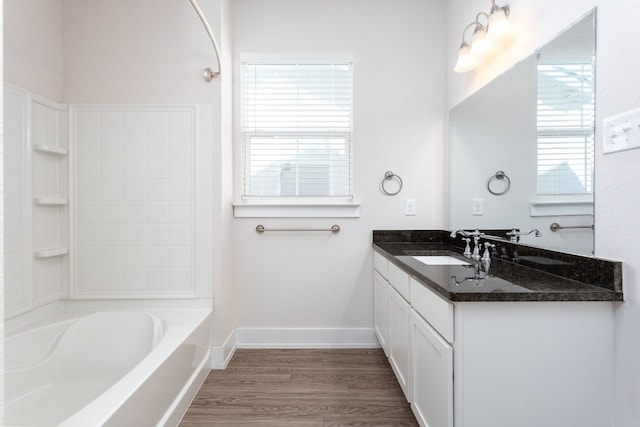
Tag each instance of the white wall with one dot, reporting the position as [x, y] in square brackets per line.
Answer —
[142, 51]
[223, 188]
[617, 175]
[33, 44]
[1, 213]
[324, 280]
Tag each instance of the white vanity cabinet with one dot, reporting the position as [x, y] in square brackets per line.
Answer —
[431, 357]
[399, 341]
[381, 303]
[392, 317]
[432, 375]
[399, 312]
[381, 310]
[496, 363]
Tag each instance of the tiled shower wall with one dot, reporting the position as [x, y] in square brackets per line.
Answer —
[135, 193]
[36, 201]
[104, 201]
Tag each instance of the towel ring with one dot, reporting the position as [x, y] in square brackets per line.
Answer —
[388, 176]
[499, 176]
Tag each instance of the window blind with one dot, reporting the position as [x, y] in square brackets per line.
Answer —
[296, 126]
[565, 122]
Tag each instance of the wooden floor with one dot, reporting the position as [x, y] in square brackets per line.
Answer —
[302, 388]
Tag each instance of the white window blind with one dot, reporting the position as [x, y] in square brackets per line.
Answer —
[565, 128]
[296, 128]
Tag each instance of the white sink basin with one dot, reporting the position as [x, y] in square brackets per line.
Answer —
[440, 260]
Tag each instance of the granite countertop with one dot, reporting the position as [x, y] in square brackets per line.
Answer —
[504, 280]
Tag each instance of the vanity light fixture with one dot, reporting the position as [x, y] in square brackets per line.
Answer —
[484, 39]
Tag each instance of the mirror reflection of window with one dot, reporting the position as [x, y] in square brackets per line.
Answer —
[565, 123]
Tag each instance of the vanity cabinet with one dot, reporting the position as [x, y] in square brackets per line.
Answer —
[399, 341]
[392, 317]
[489, 363]
[432, 375]
[381, 311]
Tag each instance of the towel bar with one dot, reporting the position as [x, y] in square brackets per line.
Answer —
[555, 226]
[335, 229]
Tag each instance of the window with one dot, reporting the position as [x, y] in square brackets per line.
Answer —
[296, 130]
[565, 122]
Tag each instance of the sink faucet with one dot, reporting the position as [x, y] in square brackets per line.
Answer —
[475, 255]
[463, 233]
[514, 234]
[486, 257]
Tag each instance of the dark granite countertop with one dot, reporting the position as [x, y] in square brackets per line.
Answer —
[554, 279]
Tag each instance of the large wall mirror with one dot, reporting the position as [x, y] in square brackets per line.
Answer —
[521, 148]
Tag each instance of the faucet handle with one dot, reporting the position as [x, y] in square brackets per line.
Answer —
[487, 255]
[467, 249]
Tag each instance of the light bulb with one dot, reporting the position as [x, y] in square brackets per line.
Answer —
[480, 45]
[499, 27]
[466, 62]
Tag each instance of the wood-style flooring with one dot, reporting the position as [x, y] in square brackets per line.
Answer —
[302, 388]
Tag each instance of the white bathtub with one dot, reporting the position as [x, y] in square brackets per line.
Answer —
[106, 368]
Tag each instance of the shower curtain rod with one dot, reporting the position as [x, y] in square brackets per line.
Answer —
[209, 74]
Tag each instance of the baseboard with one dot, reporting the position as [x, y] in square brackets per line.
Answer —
[292, 338]
[221, 354]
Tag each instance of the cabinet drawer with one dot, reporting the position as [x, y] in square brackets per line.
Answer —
[433, 308]
[380, 264]
[399, 280]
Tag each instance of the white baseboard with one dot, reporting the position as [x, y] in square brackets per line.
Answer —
[292, 338]
[221, 354]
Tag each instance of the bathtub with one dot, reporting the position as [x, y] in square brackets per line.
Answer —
[106, 368]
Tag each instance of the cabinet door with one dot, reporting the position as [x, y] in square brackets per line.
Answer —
[399, 344]
[432, 375]
[381, 311]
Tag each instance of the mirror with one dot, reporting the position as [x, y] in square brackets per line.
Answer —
[521, 147]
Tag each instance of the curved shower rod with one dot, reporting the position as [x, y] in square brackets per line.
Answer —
[209, 74]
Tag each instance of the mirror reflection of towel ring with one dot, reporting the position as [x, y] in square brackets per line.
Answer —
[500, 176]
[388, 176]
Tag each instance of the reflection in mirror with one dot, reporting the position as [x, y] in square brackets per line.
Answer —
[521, 147]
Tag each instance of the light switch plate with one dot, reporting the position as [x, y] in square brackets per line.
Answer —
[477, 208]
[410, 207]
[621, 132]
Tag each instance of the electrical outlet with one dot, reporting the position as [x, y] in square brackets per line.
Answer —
[477, 208]
[621, 132]
[410, 207]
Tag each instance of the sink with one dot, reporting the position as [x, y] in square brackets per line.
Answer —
[440, 260]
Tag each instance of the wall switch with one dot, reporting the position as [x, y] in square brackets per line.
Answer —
[410, 207]
[621, 132]
[477, 208]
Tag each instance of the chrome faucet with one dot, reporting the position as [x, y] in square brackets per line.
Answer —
[514, 234]
[463, 233]
[475, 255]
[467, 249]
[486, 257]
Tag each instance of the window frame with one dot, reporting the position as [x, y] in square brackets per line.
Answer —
[566, 204]
[291, 206]
[564, 131]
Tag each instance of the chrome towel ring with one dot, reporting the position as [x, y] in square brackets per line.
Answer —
[499, 176]
[388, 176]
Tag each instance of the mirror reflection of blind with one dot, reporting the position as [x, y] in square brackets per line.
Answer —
[296, 126]
[565, 116]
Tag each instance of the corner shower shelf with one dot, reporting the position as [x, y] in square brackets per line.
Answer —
[50, 253]
[50, 149]
[50, 201]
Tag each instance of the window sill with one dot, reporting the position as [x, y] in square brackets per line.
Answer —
[561, 207]
[296, 210]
